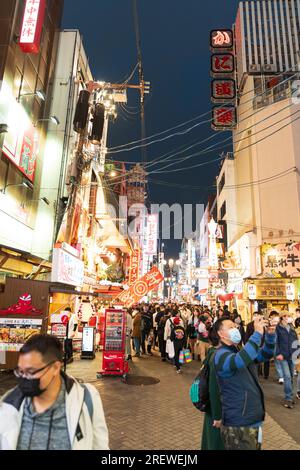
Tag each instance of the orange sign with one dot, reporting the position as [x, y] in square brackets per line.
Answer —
[140, 288]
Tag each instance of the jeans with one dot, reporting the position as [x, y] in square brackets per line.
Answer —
[137, 345]
[288, 374]
[278, 369]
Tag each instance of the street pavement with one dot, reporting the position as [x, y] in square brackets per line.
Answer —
[161, 416]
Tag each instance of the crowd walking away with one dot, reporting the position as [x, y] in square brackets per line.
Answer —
[234, 361]
[49, 410]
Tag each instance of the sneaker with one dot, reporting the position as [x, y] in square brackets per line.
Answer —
[298, 395]
[129, 358]
[281, 381]
[178, 371]
[288, 404]
[137, 355]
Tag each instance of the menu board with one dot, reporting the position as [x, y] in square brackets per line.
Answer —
[113, 331]
[14, 332]
[59, 330]
[88, 339]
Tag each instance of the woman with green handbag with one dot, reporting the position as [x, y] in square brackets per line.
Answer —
[211, 435]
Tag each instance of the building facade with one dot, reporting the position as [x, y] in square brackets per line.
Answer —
[26, 84]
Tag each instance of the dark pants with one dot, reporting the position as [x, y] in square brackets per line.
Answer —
[178, 346]
[144, 338]
[155, 337]
[264, 369]
[68, 348]
[162, 344]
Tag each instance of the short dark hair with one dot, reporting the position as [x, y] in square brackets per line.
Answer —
[48, 346]
[273, 313]
[216, 328]
[297, 322]
[68, 309]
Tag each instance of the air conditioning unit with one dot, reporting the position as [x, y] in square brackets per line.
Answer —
[254, 68]
[269, 68]
[271, 234]
[281, 233]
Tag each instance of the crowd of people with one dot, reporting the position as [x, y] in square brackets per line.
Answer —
[237, 354]
[51, 410]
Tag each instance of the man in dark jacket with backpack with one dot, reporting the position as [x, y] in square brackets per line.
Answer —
[161, 318]
[146, 325]
[243, 409]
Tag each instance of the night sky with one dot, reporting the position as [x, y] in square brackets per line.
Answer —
[176, 60]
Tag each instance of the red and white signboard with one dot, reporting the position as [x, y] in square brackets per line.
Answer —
[140, 288]
[134, 268]
[152, 234]
[32, 25]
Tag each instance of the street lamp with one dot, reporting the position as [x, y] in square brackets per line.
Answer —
[25, 183]
[44, 199]
[53, 119]
[39, 93]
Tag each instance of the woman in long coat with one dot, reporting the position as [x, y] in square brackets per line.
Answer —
[211, 435]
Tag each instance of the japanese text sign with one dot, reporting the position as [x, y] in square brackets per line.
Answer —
[222, 63]
[134, 267]
[224, 117]
[152, 228]
[223, 89]
[282, 260]
[32, 25]
[140, 288]
[221, 39]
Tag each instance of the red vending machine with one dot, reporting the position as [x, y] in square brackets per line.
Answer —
[113, 360]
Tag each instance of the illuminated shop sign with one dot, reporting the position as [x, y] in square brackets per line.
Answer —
[221, 39]
[32, 25]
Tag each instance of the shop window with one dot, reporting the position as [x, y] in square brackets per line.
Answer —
[223, 210]
[222, 183]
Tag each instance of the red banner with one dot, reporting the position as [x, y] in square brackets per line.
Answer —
[32, 25]
[140, 288]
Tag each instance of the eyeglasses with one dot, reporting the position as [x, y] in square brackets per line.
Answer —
[30, 375]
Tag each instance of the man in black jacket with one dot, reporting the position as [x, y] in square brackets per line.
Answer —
[147, 325]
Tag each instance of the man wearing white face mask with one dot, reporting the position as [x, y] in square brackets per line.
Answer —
[243, 409]
[285, 348]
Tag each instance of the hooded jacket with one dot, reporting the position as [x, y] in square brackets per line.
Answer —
[86, 424]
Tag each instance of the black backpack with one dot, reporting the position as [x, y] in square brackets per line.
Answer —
[177, 332]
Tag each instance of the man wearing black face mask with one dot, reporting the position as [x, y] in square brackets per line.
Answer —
[49, 410]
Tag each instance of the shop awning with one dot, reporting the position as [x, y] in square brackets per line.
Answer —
[20, 262]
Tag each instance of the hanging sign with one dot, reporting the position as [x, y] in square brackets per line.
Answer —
[221, 39]
[290, 291]
[223, 89]
[140, 288]
[32, 25]
[224, 117]
[134, 268]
